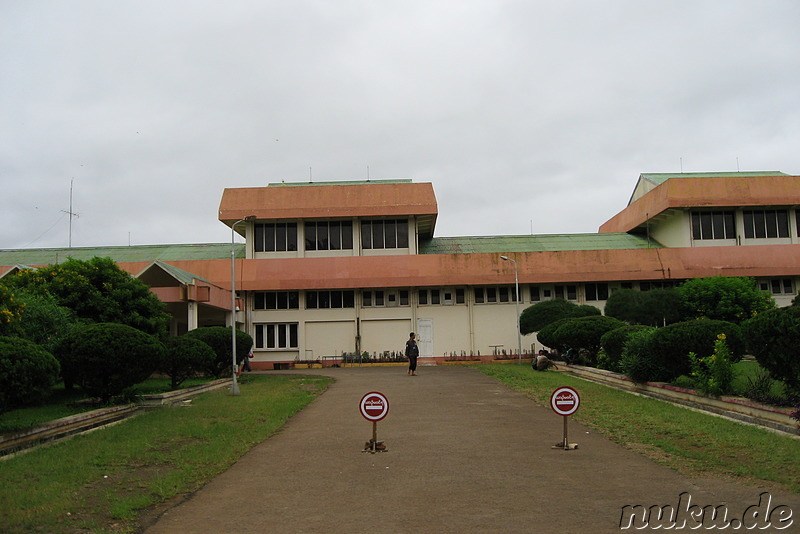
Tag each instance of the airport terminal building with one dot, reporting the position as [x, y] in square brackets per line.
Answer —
[350, 267]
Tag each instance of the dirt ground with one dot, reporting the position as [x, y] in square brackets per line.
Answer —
[465, 454]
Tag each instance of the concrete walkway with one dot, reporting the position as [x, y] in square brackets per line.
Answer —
[465, 454]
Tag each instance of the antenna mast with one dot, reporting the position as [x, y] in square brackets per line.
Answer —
[70, 212]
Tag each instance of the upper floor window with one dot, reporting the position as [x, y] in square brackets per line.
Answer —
[329, 235]
[275, 237]
[330, 299]
[659, 284]
[388, 233]
[276, 300]
[713, 225]
[766, 223]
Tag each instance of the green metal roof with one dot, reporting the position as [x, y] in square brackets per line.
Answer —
[660, 178]
[181, 275]
[48, 256]
[534, 243]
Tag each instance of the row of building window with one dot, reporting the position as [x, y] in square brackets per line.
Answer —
[285, 335]
[592, 292]
[331, 235]
[758, 224]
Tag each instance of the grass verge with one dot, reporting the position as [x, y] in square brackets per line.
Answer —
[101, 481]
[691, 442]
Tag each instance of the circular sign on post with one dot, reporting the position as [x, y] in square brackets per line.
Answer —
[374, 406]
[565, 401]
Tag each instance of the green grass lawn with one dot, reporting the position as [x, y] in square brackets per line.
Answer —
[100, 482]
[689, 441]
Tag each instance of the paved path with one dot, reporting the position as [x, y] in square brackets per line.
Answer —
[466, 454]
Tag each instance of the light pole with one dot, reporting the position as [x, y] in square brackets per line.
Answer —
[234, 384]
[516, 305]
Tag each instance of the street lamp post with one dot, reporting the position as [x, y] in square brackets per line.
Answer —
[234, 383]
[516, 306]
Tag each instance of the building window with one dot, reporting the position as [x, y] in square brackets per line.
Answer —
[381, 234]
[492, 294]
[535, 296]
[759, 224]
[596, 291]
[460, 295]
[329, 235]
[276, 300]
[713, 225]
[569, 292]
[276, 336]
[275, 237]
[374, 298]
[659, 284]
[777, 286]
[316, 300]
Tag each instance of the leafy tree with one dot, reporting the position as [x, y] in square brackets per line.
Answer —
[219, 339]
[10, 310]
[536, 317]
[773, 338]
[185, 357]
[733, 299]
[99, 291]
[27, 373]
[104, 359]
[42, 320]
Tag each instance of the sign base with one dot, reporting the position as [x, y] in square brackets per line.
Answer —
[373, 446]
[565, 446]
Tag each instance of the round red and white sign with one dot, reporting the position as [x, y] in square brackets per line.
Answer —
[565, 401]
[374, 406]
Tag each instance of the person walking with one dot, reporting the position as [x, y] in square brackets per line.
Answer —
[412, 351]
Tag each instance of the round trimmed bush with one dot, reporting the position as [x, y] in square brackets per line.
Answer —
[219, 339]
[613, 343]
[185, 357]
[535, 318]
[672, 344]
[104, 359]
[773, 337]
[585, 333]
[27, 373]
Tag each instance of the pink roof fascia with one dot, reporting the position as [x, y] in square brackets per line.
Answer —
[328, 201]
[706, 192]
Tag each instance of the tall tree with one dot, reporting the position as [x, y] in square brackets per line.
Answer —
[97, 290]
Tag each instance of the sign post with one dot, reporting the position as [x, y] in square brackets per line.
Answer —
[565, 402]
[374, 406]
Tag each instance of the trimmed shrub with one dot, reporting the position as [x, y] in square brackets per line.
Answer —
[104, 359]
[185, 357]
[613, 343]
[658, 307]
[27, 373]
[585, 333]
[672, 344]
[541, 314]
[637, 362]
[547, 337]
[219, 339]
[773, 338]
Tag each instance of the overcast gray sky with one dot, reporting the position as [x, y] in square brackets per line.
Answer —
[527, 116]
